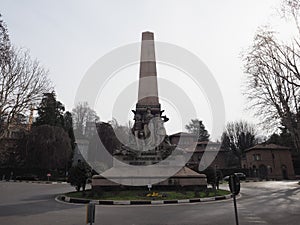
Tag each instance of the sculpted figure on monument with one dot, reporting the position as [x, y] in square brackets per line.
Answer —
[149, 129]
[160, 133]
[138, 124]
[147, 118]
[150, 139]
[138, 131]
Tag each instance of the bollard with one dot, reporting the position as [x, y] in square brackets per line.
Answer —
[90, 213]
[234, 185]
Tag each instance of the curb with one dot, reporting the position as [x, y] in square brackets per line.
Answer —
[64, 198]
[38, 182]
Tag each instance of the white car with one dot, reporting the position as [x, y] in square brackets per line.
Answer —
[241, 176]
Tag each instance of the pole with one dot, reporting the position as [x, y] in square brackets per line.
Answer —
[234, 199]
[215, 180]
[235, 210]
[90, 213]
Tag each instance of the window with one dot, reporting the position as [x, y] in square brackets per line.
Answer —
[256, 157]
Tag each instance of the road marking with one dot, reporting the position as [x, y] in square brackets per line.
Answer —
[248, 215]
[252, 217]
[257, 221]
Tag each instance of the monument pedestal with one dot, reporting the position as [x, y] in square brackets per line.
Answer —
[184, 179]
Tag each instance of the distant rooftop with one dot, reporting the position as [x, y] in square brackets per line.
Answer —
[183, 134]
[267, 147]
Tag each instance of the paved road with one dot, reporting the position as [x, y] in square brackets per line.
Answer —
[261, 203]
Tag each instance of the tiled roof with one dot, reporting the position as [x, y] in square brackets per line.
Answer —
[187, 172]
[183, 134]
[206, 146]
[267, 147]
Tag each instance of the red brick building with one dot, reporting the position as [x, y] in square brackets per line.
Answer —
[183, 139]
[208, 153]
[269, 161]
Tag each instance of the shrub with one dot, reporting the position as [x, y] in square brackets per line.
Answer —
[78, 175]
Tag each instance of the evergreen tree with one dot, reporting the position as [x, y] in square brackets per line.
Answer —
[49, 148]
[5, 45]
[50, 111]
[197, 127]
[68, 127]
[79, 174]
[283, 139]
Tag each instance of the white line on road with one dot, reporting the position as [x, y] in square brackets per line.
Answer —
[252, 218]
[257, 221]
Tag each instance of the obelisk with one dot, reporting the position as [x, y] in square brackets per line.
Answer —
[148, 92]
[148, 107]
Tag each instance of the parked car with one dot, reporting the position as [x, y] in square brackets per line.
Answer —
[28, 177]
[241, 176]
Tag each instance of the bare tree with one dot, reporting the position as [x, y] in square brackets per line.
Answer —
[290, 10]
[22, 81]
[82, 114]
[122, 132]
[273, 82]
[238, 136]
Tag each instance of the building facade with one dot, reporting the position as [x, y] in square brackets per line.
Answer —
[201, 154]
[269, 161]
[208, 154]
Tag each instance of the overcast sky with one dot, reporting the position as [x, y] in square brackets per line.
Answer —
[69, 36]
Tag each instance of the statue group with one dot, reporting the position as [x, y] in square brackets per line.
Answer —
[148, 130]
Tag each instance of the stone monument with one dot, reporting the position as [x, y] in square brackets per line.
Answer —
[150, 143]
[141, 162]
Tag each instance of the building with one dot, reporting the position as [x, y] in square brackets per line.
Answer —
[208, 154]
[186, 139]
[269, 161]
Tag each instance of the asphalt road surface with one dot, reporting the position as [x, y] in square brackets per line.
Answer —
[260, 203]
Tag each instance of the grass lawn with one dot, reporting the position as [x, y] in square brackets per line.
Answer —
[142, 195]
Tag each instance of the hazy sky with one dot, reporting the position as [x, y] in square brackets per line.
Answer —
[69, 36]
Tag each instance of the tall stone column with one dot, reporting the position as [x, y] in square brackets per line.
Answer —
[148, 120]
[148, 92]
